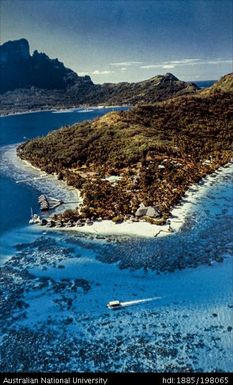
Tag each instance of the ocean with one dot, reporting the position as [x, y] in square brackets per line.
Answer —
[55, 285]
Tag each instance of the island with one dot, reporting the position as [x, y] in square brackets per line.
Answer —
[139, 163]
[36, 83]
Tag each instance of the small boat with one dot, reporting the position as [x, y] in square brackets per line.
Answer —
[114, 305]
[34, 218]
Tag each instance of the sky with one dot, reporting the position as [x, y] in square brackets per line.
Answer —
[126, 40]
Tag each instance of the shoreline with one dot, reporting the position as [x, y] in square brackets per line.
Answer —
[62, 110]
[25, 112]
[21, 171]
[179, 213]
[51, 177]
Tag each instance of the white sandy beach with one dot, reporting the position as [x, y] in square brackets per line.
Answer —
[55, 110]
[26, 112]
[145, 229]
[107, 227]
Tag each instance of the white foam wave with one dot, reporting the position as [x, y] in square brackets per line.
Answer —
[138, 301]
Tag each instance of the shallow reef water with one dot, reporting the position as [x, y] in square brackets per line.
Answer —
[54, 287]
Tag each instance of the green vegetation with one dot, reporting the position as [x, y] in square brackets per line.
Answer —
[157, 149]
[84, 92]
[225, 84]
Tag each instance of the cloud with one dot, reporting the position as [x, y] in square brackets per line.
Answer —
[124, 66]
[149, 66]
[167, 66]
[183, 61]
[187, 62]
[219, 61]
[102, 72]
[126, 63]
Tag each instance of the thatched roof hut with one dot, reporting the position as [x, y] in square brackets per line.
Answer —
[141, 211]
[152, 212]
[148, 211]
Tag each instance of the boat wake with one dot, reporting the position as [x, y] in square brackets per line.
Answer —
[136, 302]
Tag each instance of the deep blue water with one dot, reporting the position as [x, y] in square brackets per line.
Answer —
[15, 203]
[18, 128]
[204, 83]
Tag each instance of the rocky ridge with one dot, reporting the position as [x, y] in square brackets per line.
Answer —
[31, 82]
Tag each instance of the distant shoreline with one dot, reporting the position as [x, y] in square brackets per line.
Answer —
[25, 112]
[63, 109]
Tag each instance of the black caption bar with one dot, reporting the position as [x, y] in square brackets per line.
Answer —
[116, 378]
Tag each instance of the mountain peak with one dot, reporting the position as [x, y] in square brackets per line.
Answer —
[21, 70]
[170, 76]
[15, 50]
